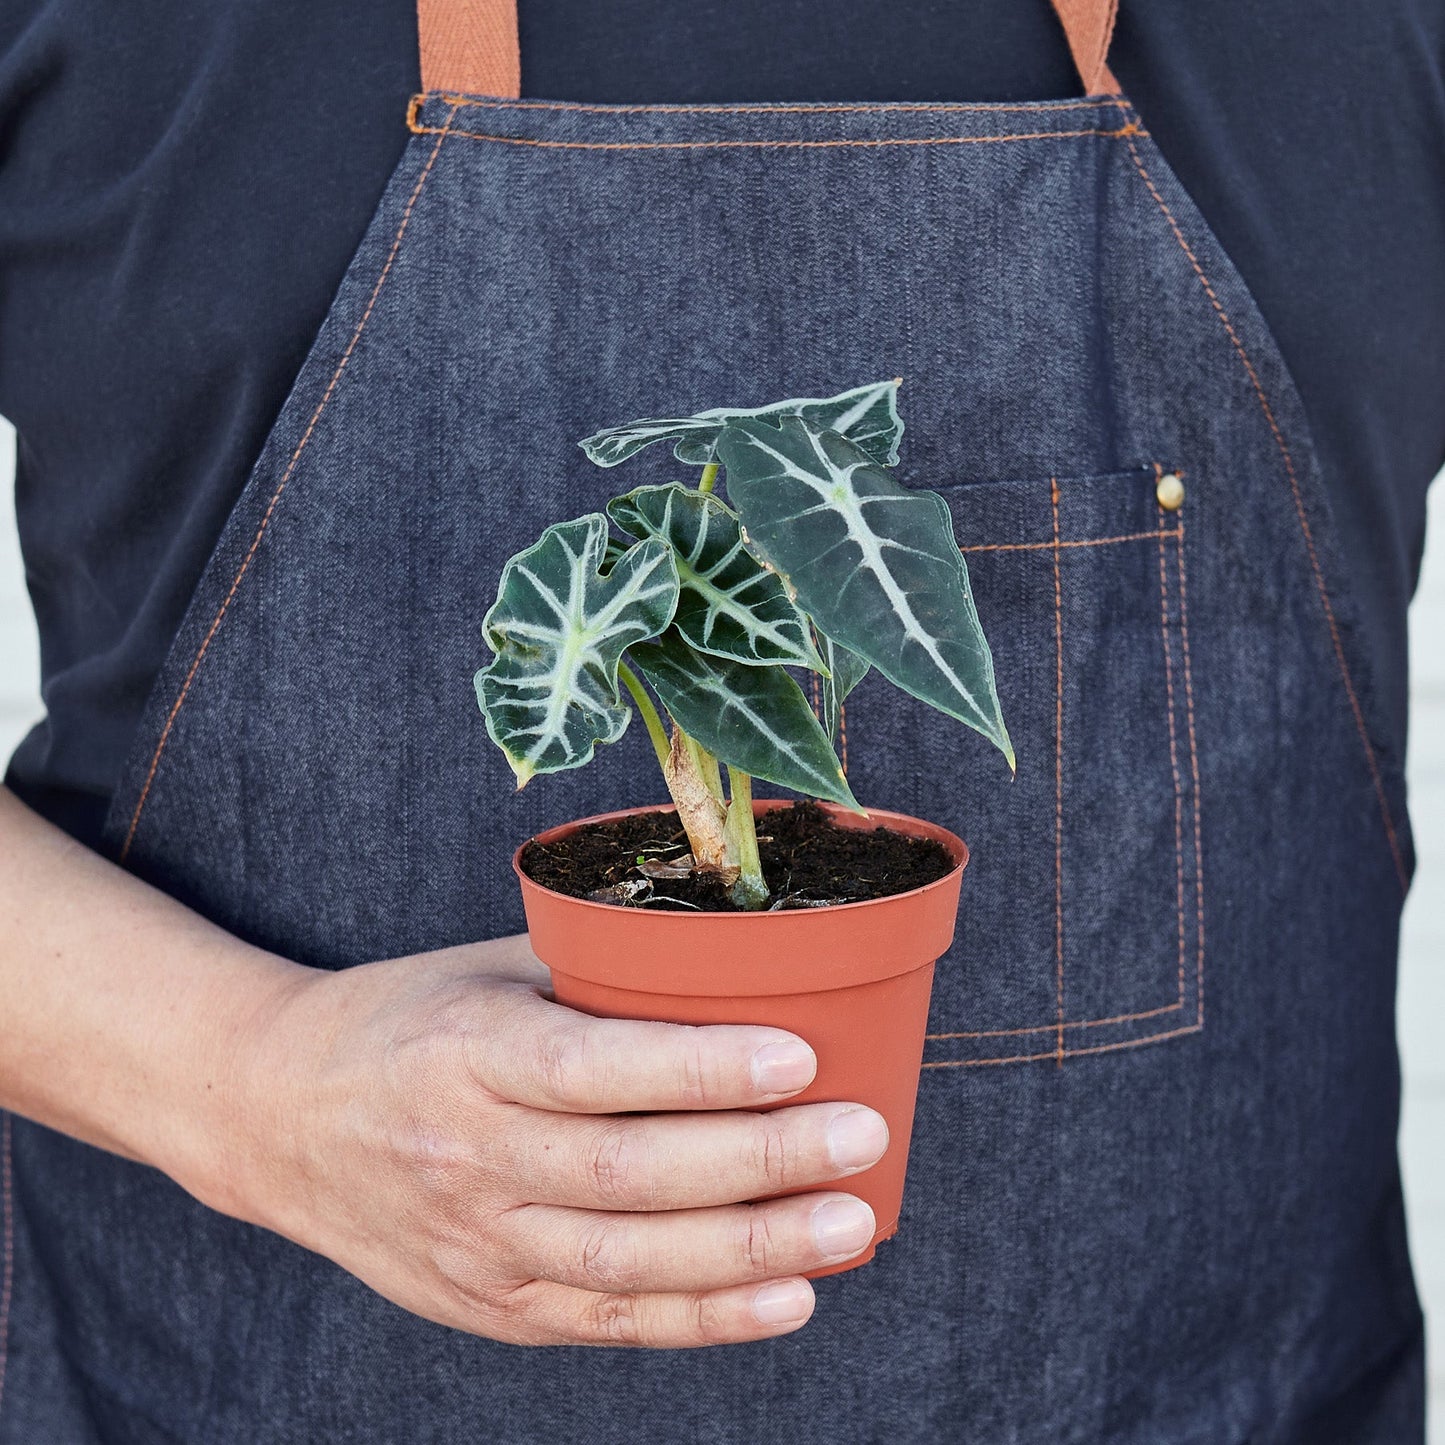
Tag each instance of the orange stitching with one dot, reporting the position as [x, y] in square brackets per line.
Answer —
[7, 1203]
[1173, 749]
[461, 102]
[1050, 546]
[1068, 1053]
[1132, 129]
[1356, 710]
[275, 498]
[1148, 1013]
[1194, 769]
[1058, 767]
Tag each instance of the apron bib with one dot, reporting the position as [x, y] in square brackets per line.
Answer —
[1153, 1193]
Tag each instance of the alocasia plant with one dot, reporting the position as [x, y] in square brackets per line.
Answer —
[823, 562]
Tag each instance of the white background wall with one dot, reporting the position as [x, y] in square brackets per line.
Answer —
[1422, 966]
[1422, 988]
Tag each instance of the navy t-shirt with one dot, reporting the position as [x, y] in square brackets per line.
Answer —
[182, 186]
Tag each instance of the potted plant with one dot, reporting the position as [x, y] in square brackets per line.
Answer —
[695, 614]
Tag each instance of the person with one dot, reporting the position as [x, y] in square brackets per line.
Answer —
[288, 1094]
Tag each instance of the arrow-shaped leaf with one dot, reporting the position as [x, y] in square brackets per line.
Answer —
[845, 671]
[559, 628]
[873, 563]
[730, 605]
[867, 414]
[755, 718]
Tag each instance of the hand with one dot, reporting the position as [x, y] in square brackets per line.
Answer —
[472, 1150]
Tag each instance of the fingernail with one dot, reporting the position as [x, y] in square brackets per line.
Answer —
[842, 1227]
[783, 1302]
[781, 1068]
[857, 1138]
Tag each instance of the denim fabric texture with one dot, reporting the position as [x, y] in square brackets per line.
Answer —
[1153, 1192]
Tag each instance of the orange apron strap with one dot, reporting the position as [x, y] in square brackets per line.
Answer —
[471, 45]
[1089, 24]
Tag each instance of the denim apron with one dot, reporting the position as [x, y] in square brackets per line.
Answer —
[1153, 1192]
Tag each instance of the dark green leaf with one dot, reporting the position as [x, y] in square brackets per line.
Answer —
[730, 605]
[872, 562]
[559, 628]
[753, 718]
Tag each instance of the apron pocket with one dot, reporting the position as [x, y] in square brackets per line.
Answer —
[1081, 926]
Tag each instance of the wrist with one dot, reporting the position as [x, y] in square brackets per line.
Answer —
[227, 1146]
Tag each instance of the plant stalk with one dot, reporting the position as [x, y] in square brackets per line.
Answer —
[709, 477]
[693, 781]
[701, 812]
[751, 890]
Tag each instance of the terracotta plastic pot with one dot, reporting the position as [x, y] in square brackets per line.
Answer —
[853, 980]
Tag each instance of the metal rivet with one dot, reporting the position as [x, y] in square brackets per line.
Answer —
[1170, 492]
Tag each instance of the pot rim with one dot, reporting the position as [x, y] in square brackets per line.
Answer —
[882, 816]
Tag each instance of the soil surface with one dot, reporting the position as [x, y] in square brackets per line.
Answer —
[808, 862]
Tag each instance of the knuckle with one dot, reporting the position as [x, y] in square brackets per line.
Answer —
[710, 1323]
[563, 1065]
[615, 1319]
[610, 1257]
[444, 1051]
[758, 1244]
[516, 1317]
[698, 1083]
[618, 1165]
[456, 1268]
[773, 1153]
[478, 1300]
[438, 1163]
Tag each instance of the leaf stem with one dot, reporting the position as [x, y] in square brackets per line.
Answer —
[655, 729]
[751, 889]
[709, 477]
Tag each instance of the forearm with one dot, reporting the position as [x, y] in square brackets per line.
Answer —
[121, 1012]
